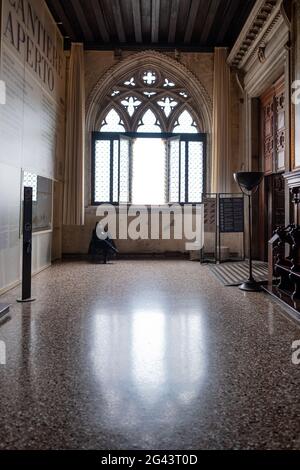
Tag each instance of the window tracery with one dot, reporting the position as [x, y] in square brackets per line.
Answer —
[149, 93]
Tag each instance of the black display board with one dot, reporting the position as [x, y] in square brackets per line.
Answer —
[231, 215]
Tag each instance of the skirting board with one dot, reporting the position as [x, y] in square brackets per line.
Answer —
[17, 283]
[4, 309]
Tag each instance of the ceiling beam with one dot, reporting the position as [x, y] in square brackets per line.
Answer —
[212, 12]
[137, 20]
[118, 20]
[96, 46]
[146, 19]
[100, 20]
[173, 21]
[58, 9]
[227, 19]
[88, 34]
[155, 20]
[191, 21]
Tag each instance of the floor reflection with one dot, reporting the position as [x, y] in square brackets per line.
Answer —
[147, 363]
[148, 353]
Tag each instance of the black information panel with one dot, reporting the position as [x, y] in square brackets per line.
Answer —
[231, 215]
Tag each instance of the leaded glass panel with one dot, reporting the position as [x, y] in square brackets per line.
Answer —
[174, 160]
[124, 170]
[116, 171]
[195, 165]
[182, 172]
[102, 171]
[112, 123]
[149, 123]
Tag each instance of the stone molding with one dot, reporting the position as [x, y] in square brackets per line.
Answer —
[262, 20]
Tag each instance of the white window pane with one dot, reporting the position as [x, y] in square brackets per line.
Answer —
[130, 82]
[185, 124]
[149, 78]
[174, 171]
[167, 105]
[149, 123]
[116, 171]
[124, 170]
[131, 104]
[195, 171]
[112, 123]
[102, 171]
[149, 170]
[182, 172]
[168, 83]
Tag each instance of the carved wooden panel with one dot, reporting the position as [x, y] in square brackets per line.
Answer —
[274, 132]
[280, 125]
[268, 131]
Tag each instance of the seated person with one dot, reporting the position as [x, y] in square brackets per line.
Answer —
[102, 244]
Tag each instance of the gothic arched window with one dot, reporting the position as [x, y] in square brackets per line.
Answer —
[166, 166]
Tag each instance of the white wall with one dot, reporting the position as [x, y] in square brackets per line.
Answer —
[31, 123]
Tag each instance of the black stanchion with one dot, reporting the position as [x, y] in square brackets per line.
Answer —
[27, 246]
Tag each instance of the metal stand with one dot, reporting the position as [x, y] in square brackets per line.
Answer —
[27, 247]
[249, 183]
[251, 285]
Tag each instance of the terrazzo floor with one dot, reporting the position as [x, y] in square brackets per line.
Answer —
[147, 355]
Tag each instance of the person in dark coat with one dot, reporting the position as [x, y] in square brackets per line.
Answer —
[102, 245]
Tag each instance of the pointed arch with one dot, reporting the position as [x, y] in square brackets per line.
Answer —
[185, 124]
[112, 122]
[149, 122]
[105, 111]
[179, 111]
[194, 97]
[141, 112]
[175, 71]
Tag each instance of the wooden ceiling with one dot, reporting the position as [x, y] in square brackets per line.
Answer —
[187, 24]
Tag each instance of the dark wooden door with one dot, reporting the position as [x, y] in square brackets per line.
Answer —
[272, 194]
